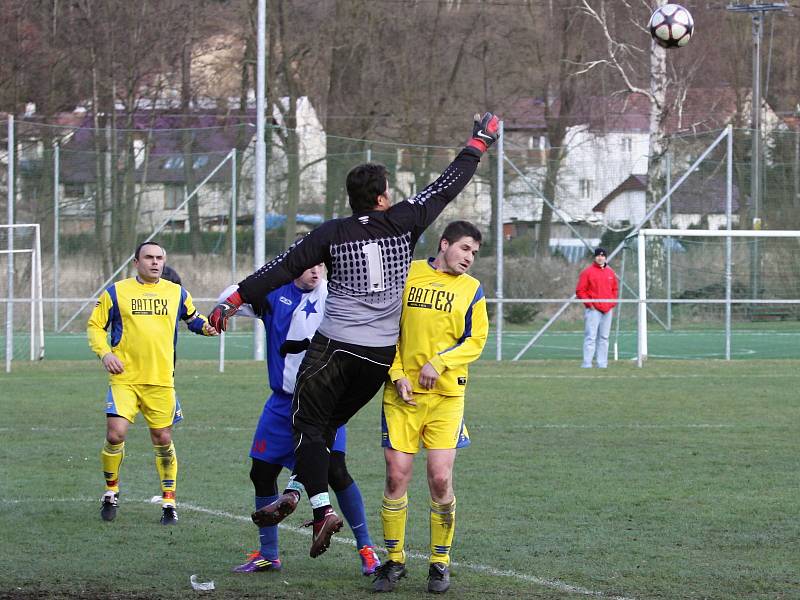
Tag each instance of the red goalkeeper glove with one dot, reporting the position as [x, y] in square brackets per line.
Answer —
[485, 131]
[223, 311]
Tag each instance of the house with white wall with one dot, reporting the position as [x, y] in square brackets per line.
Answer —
[602, 179]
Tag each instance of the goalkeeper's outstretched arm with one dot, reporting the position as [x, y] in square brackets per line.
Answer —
[305, 253]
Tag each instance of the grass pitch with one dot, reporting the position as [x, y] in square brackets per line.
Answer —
[679, 480]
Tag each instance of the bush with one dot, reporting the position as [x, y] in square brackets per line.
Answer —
[520, 314]
[526, 277]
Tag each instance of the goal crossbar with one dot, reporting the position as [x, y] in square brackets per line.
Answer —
[752, 233]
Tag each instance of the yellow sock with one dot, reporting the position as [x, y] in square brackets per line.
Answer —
[167, 466]
[443, 526]
[393, 515]
[111, 459]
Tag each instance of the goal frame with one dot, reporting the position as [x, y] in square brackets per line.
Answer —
[641, 244]
[35, 299]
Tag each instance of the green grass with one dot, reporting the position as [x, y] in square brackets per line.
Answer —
[759, 340]
[679, 480]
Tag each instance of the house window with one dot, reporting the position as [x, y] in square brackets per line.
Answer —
[173, 196]
[627, 144]
[585, 187]
[174, 162]
[73, 190]
[200, 162]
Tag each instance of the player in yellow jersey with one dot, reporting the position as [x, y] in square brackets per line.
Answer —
[142, 314]
[443, 328]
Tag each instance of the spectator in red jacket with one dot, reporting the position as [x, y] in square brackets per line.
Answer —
[597, 282]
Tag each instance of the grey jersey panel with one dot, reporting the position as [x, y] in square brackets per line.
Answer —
[366, 290]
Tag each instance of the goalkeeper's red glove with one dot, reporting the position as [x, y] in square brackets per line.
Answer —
[223, 311]
[485, 131]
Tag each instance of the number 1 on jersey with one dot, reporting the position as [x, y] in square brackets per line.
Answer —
[374, 254]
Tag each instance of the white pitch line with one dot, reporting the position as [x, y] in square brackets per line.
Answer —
[604, 427]
[598, 375]
[554, 584]
[479, 427]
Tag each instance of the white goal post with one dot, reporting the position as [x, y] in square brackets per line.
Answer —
[728, 234]
[23, 240]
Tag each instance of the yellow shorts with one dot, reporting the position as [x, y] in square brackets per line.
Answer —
[436, 421]
[159, 404]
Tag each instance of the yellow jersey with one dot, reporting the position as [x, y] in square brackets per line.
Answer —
[443, 322]
[142, 319]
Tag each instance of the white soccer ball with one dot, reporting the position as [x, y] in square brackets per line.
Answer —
[671, 26]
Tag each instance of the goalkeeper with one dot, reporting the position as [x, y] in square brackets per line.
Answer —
[142, 314]
[443, 328]
[291, 315]
[367, 255]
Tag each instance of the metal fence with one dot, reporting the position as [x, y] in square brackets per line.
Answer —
[189, 182]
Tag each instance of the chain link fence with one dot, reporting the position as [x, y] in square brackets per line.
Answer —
[97, 191]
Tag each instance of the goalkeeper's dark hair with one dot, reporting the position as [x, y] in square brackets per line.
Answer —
[147, 243]
[456, 230]
[364, 184]
[171, 274]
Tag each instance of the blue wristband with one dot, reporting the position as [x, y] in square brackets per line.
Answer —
[196, 325]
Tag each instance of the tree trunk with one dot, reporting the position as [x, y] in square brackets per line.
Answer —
[655, 173]
[187, 139]
[292, 186]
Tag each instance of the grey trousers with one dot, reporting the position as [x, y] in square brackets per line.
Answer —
[597, 327]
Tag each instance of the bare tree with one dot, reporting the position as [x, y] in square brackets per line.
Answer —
[560, 50]
[626, 59]
[125, 42]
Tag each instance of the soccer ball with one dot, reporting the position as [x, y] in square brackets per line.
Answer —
[671, 26]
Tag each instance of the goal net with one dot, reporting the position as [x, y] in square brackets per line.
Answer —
[709, 294]
[21, 293]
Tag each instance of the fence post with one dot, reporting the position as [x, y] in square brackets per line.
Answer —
[642, 312]
[499, 245]
[259, 218]
[10, 270]
[728, 241]
[56, 225]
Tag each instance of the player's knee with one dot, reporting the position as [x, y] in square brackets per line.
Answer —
[264, 477]
[115, 437]
[440, 484]
[396, 481]
[161, 437]
[338, 475]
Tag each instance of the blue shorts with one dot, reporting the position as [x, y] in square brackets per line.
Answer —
[274, 442]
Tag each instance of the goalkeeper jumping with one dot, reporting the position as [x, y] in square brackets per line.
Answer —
[367, 256]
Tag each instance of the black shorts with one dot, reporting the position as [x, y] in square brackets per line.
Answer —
[335, 380]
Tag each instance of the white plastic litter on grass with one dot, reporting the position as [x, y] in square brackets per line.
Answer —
[201, 586]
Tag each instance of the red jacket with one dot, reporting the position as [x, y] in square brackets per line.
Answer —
[598, 282]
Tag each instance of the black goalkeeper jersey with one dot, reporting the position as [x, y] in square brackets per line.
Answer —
[367, 256]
